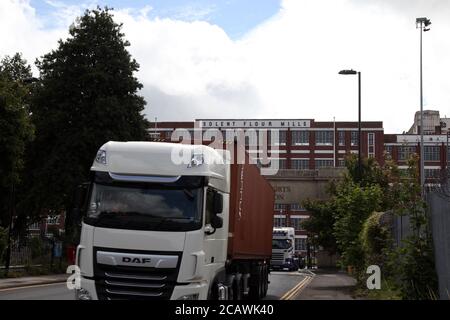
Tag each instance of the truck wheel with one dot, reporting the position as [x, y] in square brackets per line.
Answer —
[255, 286]
[266, 280]
[238, 290]
[261, 282]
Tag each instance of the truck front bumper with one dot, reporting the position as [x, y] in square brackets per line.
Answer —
[196, 291]
[279, 265]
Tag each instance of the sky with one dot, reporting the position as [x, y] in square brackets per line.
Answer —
[263, 58]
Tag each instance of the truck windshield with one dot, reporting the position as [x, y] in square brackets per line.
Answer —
[281, 243]
[159, 207]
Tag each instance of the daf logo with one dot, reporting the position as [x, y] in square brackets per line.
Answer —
[135, 260]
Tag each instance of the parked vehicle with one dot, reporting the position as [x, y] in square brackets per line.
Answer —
[154, 228]
[283, 249]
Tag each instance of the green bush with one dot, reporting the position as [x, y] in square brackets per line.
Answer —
[375, 239]
[37, 247]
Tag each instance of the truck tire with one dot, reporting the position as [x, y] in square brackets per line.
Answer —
[238, 290]
[266, 280]
[255, 292]
[261, 283]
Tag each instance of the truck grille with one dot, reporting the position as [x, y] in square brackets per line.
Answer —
[278, 256]
[134, 283]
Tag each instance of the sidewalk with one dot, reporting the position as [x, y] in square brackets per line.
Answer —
[328, 285]
[32, 281]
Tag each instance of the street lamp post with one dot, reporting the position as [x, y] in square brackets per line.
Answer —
[353, 72]
[423, 25]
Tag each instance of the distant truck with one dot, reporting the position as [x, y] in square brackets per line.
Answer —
[283, 249]
[155, 229]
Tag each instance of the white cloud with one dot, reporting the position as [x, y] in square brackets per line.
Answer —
[65, 14]
[286, 67]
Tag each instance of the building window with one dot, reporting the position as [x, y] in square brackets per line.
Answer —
[404, 153]
[432, 173]
[300, 138]
[297, 207]
[388, 150]
[282, 137]
[432, 153]
[279, 222]
[354, 138]
[371, 144]
[282, 163]
[342, 138]
[280, 207]
[341, 163]
[324, 163]
[296, 223]
[324, 138]
[371, 137]
[299, 164]
[300, 244]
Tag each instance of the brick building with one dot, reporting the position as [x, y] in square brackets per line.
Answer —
[309, 152]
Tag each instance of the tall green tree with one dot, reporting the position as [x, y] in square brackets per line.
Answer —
[412, 264]
[16, 130]
[354, 204]
[321, 223]
[87, 95]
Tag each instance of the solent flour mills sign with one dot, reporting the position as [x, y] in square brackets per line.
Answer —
[256, 123]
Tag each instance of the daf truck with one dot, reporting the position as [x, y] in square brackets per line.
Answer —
[283, 249]
[155, 227]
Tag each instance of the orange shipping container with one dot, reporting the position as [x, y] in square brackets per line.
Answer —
[251, 214]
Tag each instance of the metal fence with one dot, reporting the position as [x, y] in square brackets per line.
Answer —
[20, 255]
[439, 210]
[34, 251]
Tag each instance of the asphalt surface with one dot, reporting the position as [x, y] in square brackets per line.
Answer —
[55, 291]
[328, 285]
[281, 283]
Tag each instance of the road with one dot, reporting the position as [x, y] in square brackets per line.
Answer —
[281, 286]
[328, 285]
[55, 291]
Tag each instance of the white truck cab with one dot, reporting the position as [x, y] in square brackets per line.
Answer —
[126, 252]
[283, 249]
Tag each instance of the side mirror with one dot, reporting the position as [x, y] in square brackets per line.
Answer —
[218, 203]
[216, 222]
[79, 199]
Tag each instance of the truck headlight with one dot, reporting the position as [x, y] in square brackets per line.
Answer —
[82, 294]
[189, 297]
[101, 157]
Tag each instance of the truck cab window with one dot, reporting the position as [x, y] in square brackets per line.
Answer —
[209, 206]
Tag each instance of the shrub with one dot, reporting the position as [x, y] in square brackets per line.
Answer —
[375, 239]
[37, 247]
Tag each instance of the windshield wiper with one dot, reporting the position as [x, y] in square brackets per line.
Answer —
[189, 194]
[166, 219]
